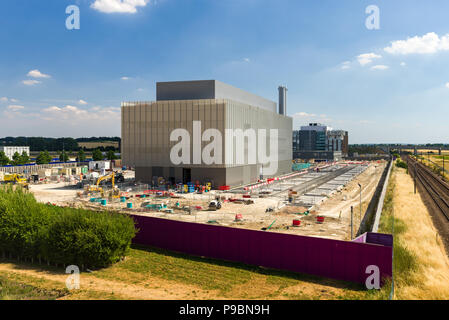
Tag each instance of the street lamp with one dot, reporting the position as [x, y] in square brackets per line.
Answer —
[360, 186]
[443, 167]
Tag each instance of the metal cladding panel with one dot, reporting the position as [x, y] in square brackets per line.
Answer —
[124, 134]
[243, 116]
[139, 137]
[209, 89]
[147, 147]
[146, 129]
[226, 91]
[342, 260]
[185, 90]
[132, 141]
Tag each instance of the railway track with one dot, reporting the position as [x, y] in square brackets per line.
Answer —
[437, 189]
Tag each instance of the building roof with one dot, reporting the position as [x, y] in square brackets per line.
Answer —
[209, 89]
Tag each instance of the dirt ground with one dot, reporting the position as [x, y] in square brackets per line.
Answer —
[338, 207]
[56, 193]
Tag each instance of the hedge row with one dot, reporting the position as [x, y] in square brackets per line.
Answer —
[33, 230]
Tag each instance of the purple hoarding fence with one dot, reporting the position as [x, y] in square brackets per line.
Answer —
[375, 238]
[361, 238]
[341, 260]
[380, 238]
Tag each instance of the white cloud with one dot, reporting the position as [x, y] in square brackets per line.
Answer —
[367, 58]
[14, 100]
[15, 107]
[246, 59]
[3, 99]
[76, 114]
[52, 109]
[447, 85]
[380, 67]
[64, 113]
[118, 6]
[53, 120]
[304, 115]
[346, 65]
[403, 64]
[125, 78]
[37, 74]
[82, 102]
[30, 82]
[427, 44]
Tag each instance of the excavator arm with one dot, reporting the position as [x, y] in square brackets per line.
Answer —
[110, 176]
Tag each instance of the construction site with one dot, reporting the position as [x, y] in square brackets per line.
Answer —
[313, 202]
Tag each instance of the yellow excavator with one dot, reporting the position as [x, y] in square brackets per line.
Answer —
[96, 188]
[16, 178]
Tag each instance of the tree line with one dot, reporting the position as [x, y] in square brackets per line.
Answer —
[55, 144]
[365, 149]
[44, 157]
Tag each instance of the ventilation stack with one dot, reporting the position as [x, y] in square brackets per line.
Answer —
[283, 100]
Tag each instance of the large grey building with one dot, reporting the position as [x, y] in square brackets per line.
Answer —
[210, 113]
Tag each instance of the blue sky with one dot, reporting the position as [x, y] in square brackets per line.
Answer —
[387, 85]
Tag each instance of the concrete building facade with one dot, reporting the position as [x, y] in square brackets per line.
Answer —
[338, 140]
[147, 129]
[10, 151]
[320, 142]
[310, 138]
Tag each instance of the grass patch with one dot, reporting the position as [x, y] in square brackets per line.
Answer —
[404, 261]
[143, 263]
[11, 289]
[441, 157]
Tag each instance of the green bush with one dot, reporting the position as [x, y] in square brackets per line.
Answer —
[401, 164]
[44, 158]
[29, 229]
